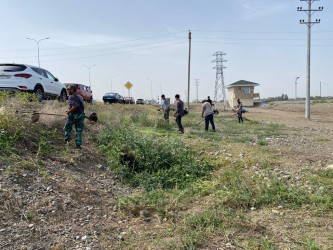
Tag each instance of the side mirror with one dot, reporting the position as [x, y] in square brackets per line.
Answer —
[56, 79]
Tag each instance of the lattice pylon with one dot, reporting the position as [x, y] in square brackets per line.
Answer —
[219, 94]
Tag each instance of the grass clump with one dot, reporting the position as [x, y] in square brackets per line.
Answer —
[209, 223]
[9, 132]
[145, 161]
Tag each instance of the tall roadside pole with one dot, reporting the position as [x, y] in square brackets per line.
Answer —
[189, 71]
[37, 43]
[296, 88]
[309, 23]
[197, 85]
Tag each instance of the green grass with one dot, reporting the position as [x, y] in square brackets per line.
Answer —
[204, 225]
[319, 101]
[150, 162]
[324, 139]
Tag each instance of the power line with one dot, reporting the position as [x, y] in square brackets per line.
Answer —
[101, 44]
[261, 39]
[84, 52]
[102, 55]
[265, 44]
[261, 32]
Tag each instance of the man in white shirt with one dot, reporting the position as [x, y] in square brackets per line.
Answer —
[208, 114]
[165, 106]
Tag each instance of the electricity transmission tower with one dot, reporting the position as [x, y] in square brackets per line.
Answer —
[219, 93]
[197, 85]
[309, 23]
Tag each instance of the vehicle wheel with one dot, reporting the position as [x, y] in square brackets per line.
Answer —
[63, 96]
[39, 92]
[90, 100]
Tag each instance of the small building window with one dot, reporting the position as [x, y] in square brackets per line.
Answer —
[246, 90]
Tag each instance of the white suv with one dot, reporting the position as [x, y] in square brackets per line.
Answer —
[22, 77]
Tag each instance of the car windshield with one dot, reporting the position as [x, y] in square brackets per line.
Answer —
[111, 94]
[11, 68]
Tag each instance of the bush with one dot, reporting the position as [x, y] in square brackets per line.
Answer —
[148, 162]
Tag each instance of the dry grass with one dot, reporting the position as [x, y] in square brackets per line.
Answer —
[207, 214]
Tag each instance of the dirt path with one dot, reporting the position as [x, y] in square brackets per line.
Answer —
[311, 141]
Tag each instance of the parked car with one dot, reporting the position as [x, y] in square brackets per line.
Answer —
[148, 102]
[32, 79]
[140, 101]
[113, 98]
[83, 91]
[129, 100]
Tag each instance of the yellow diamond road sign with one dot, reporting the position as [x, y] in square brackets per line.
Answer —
[128, 85]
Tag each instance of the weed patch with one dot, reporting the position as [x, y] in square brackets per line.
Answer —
[149, 162]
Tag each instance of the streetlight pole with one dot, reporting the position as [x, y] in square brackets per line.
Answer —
[111, 81]
[89, 67]
[151, 87]
[189, 70]
[197, 85]
[296, 88]
[37, 43]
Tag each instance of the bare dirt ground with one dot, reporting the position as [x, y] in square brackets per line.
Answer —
[312, 140]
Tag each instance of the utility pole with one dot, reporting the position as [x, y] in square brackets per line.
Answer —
[186, 96]
[296, 88]
[309, 23]
[197, 85]
[320, 90]
[219, 82]
[189, 70]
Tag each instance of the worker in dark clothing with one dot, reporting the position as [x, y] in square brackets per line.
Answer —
[75, 116]
[179, 113]
[209, 100]
[240, 111]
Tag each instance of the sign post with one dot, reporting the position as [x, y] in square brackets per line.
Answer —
[129, 85]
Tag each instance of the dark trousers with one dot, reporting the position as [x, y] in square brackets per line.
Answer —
[78, 121]
[240, 116]
[166, 114]
[179, 123]
[209, 119]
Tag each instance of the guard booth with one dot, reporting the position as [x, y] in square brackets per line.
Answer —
[243, 90]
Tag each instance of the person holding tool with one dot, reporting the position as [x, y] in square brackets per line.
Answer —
[75, 116]
[179, 113]
[240, 111]
[208, 114]
[165, 106]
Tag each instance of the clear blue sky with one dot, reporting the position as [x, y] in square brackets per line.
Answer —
[146, 41]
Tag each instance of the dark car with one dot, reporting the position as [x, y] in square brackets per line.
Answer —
[129, 100]
[113, 98]
[140, 101]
